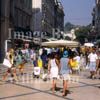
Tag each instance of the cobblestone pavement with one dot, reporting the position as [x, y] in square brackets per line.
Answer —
[79, 87]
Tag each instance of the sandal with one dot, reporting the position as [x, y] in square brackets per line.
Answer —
[64, 94]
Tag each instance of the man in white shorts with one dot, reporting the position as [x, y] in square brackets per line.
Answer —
[93, 63]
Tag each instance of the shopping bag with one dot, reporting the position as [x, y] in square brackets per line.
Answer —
[7, 63]
[36, 70]
[44, 77]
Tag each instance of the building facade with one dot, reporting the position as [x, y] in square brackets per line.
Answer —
[96, 17]
[59, 16]
[43, 15]
[47, 16]
[15, 20]
[4, 25]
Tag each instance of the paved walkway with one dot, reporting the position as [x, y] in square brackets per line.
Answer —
[79, 88]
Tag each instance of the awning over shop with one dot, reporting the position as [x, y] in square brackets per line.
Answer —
[61, 43]
[89, 44]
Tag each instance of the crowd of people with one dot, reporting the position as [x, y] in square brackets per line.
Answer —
[54, 61]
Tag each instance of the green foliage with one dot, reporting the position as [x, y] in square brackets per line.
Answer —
[84, 32]
[67, 38]
[69, 26]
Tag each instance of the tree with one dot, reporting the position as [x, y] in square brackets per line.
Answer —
[69, 26]
[84, 32]
[67, 38]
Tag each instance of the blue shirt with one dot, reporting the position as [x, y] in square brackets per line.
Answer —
[65, 66]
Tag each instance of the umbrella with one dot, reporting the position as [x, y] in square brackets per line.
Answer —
[61, 43]
[89, 44]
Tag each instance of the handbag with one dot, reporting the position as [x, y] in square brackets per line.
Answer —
[7, 63]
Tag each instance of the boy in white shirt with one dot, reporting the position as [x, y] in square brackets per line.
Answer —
[93, 63]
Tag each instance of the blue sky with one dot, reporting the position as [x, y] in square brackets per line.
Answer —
[78, 11]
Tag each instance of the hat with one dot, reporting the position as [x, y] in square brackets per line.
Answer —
[65, 54]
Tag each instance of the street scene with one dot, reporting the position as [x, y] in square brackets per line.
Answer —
[49, 50]
[78, 88]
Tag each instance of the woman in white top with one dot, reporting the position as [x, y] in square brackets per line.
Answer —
[53, 69]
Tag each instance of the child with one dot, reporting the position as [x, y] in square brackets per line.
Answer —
[21, 67]
[21, 63]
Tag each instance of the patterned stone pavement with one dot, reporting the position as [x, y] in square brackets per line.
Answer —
[79, 87]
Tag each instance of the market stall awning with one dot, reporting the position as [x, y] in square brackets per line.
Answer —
[61, 43]
[89, 44]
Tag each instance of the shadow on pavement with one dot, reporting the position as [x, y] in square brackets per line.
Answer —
[48, 91]
[18, 95]
[61, 90]
[86, 85]
[38, 91]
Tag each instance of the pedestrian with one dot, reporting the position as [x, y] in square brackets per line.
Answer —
[32, 53]
[72, 63]
[12, 70]
[27, 53]
[65, 70]
[40, 51]
[54, 69]
[93, 63]
[21, 62]
[44, 59]
[35, 58]
[98, 69]
[77, 62]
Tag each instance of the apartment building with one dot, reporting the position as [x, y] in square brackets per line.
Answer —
[15, 18]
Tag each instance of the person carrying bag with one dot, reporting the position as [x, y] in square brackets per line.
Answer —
[8, 62]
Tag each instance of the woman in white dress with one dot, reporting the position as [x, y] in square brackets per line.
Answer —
[53, 69]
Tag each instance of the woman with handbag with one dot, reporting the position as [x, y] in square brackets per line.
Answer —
[10, 58]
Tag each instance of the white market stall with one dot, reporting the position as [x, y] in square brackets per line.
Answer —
[88, 44]
[59, 43]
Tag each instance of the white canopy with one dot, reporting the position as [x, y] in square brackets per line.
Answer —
[89, 44]
[61, 43]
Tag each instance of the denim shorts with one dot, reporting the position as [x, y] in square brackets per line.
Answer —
[92, 66]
